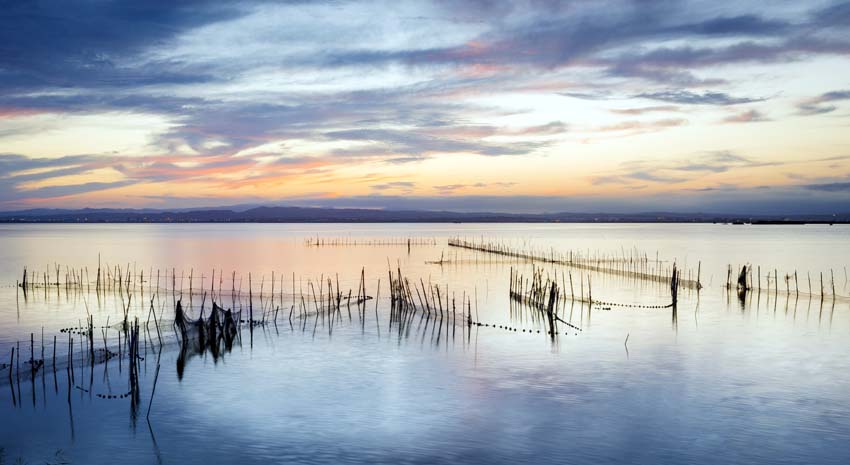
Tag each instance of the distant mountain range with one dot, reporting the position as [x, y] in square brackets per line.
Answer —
[286, 214]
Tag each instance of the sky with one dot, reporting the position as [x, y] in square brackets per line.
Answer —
[523, 106]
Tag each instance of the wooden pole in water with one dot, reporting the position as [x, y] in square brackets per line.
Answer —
[11, 364]
[776, 281]
[729, 276]
[699, 270]
[832, 280]
[796, 283]
[250, 302]
[377, 296]
[153, 391]
[70, 354]
[674, 285]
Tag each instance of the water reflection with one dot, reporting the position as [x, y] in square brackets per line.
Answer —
[351, 366]
[215, 334]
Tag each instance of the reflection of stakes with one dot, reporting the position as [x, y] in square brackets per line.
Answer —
[541, 294]
[533, 292]
[153, 390]
[746, 282]
[404, 305]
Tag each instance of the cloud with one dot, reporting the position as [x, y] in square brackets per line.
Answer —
[411, 142]
[404, 186]
[635, 127]
[748, 116]
[554, 127]
[665, 172]
[747, 25]
[593, 95]
[684, 97]
[829, 187]
[719, 162]
[12, 163]
[644, 110]
[629, 178]
[451, 188]
[816, 105]
[834, 15]
[75, 189]
[484, 131]
[88, 44]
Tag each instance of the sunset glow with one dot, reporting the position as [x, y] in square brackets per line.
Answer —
[516, 106]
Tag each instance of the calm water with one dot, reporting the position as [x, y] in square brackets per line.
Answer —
[763, 379]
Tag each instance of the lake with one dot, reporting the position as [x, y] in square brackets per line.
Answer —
[465, 373]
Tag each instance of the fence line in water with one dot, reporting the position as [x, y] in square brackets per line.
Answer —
[637, 266]
[748, 278]
[353, 241]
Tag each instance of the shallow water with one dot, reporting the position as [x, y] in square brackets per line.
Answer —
[761, 379]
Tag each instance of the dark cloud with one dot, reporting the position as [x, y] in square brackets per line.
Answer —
[17, 170]
[589, 31]
[835, 15]
[78, 43]
[684, 97]
[747, 25]
[675, 65]
[75, 189]
[10, 163]
[829, 187]
[663, 75]
[556, 41]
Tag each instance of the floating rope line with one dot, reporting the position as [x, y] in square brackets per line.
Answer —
[82, 330]
[517, 330]
[615, 304]
[113, 396]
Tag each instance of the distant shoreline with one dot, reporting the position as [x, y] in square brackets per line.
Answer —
[303, 215]
[695, 221]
